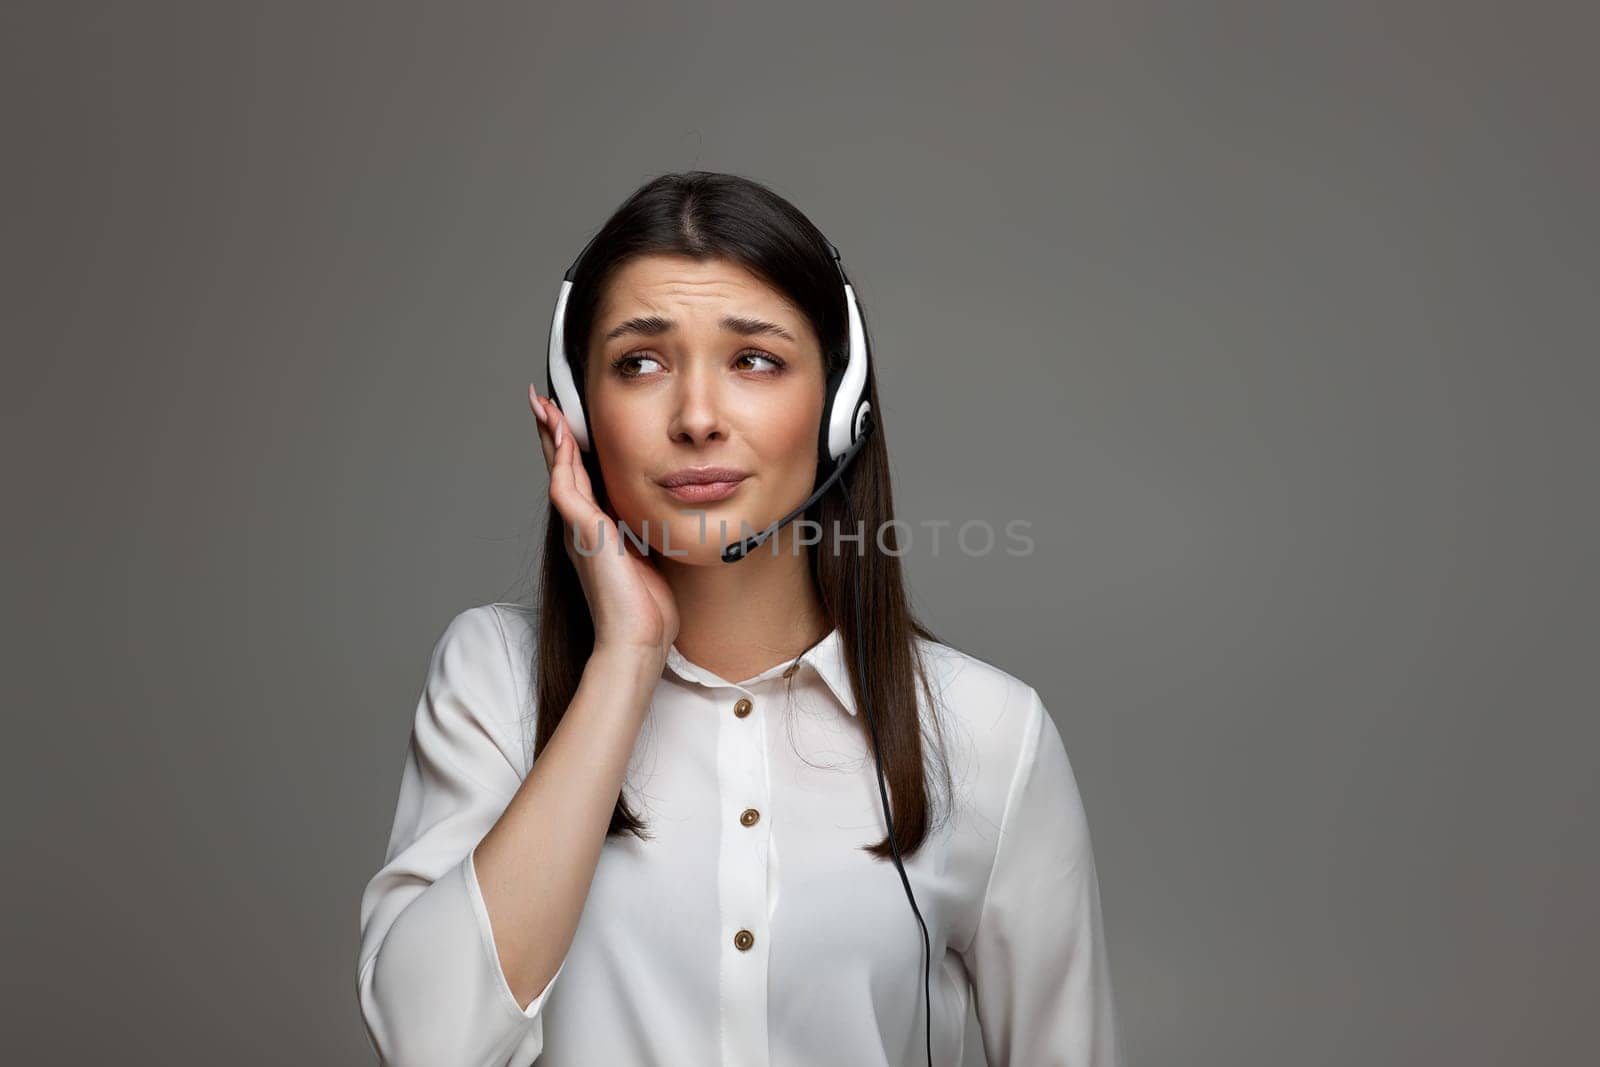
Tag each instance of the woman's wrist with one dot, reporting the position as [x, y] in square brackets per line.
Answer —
[639, 664]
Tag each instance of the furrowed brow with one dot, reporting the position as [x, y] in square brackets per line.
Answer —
[752, 327]
[642, 325]
[656, 325]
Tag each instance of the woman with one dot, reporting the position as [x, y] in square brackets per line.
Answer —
[605, 851]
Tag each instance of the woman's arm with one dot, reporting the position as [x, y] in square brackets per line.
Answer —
[458, 973]
[536, 863]
[1040, 971]
[466, 928]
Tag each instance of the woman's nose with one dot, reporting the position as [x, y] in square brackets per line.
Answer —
[698, 414]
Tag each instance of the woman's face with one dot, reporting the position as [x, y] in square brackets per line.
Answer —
[699, 363]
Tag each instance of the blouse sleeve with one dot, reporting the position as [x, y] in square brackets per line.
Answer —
[1040, 973]
[429, 980]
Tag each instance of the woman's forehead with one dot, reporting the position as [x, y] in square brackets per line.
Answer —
[649, 286]
[659, 276]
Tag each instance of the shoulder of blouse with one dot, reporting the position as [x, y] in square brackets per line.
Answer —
[519, 626]
[989, 719]
[972, 685]
[483, 658]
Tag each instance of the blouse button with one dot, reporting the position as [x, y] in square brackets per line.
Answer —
[742, 708]
[743, 940]
[750, 816]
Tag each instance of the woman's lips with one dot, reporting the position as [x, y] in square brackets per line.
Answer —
[703, 492]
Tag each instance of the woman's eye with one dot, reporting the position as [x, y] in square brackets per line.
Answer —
[774, 362]
[623, 364]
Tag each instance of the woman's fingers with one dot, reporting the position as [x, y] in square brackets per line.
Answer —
[573, 511]
[553, 424]
[573, 458]
[574, 500]
[546, 442]
[570, 488]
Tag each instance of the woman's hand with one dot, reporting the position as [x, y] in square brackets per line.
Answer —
[630, 602]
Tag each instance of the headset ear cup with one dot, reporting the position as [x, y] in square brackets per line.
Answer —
[559, 374]
[572, 410]
[579, 425]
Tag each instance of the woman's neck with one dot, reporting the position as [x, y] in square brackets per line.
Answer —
[738, 619]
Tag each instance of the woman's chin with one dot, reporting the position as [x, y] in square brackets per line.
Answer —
[696, 538]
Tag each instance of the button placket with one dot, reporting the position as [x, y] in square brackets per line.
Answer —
[742, 877]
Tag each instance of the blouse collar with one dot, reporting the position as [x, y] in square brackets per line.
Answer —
[826, 657]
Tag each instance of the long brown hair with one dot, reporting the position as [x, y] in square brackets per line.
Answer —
[706, 215]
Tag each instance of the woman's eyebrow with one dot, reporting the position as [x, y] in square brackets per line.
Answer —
[655, 325]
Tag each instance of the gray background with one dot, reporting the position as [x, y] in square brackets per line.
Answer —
[1276, 321]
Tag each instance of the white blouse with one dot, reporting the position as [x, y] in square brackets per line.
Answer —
[751, 930]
